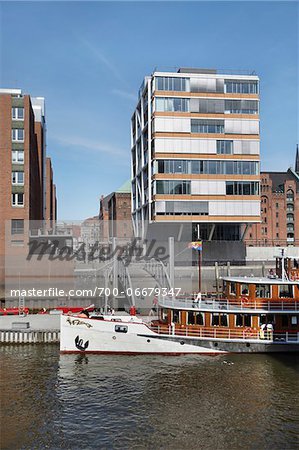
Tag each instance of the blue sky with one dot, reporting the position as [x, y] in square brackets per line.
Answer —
[88, 60]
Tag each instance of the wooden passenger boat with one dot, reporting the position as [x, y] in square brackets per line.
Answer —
[252, 315]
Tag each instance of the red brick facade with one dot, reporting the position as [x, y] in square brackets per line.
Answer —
[279, 211]
[29, 146]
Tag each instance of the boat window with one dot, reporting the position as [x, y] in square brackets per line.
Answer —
[164, 314]
[233, 288]
[285, 291]
[215, 320]
[294, 320]
[191, 319]
[175, 316]
[247, 320]
[284, 321]
[199, 319]
[121, 329]
[223, 320]
[244, 289]
[243, 320]
[219, 319]
[262, 291]
[239, 320]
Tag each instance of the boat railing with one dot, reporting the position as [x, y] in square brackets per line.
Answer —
[244, 304]
[230, 333]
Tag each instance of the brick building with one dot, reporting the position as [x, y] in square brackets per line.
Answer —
[23, 183]
[115, 213]
[51, 200]
[279, 209]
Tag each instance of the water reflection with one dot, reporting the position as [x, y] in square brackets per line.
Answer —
[78, 401]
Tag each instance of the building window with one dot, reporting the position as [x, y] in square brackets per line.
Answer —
[17, 134]
[290, 217]
[290, 195]
[17, 199]
[241, 107]
[17, 113]
[172, 104]
[207, 126]
[17, 156]
[242, 188]
[17, 226]
[208, 167]
[173, 187]
[173, 84]
[241, 87]
[224, 147]
[17, 178]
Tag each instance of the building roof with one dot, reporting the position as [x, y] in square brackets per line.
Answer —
[125, 188]
[279, 178]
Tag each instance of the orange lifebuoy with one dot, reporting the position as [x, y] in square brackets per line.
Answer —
[248, 332]
[245, 301]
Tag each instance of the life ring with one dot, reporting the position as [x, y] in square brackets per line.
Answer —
[245, 301]
[248, 332]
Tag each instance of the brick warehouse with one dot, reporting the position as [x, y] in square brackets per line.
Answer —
[279, 210]
[24, 183]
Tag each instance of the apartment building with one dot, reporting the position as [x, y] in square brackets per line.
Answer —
[22, 166]
[195, 152]
[279, 210]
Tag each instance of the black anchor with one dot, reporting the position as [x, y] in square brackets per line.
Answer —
[79, 344]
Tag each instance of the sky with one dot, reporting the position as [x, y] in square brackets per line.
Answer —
[88, 59]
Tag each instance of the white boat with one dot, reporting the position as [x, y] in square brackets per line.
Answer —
[124, 335]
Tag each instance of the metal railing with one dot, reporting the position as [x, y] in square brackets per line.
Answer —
[159, 272]
[222, 305]
[220, 333]
[125, 279]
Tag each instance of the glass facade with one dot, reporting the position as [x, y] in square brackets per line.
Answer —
[241, 106]
[224, 147]
[208, 167]
[207, 126]
[172, 104]
[173, 187]
[242, 188]
[241, 87]
[172, 84]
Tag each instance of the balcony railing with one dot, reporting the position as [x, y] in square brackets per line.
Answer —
[233, 306]
[229, 333]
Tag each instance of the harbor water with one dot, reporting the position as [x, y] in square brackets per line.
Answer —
[78, 402]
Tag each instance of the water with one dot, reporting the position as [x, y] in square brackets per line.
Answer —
[119, 402]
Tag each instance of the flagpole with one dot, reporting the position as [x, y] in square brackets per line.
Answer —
[199, 270]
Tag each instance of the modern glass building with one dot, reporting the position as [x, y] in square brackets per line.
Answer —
[195, 152]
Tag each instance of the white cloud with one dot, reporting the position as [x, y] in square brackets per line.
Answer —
[124, 94]
[91, 145]
[102, 58]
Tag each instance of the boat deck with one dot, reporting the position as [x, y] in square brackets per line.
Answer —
[233, 306]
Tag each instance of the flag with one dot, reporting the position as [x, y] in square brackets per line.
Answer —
[196, 245]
